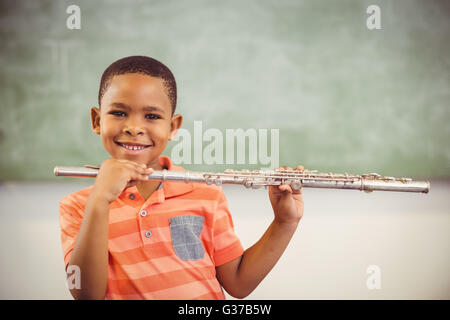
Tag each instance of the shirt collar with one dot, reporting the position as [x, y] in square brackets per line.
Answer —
[167, 189]
[173, 188]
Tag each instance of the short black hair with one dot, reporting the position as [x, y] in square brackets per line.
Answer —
[143, 65]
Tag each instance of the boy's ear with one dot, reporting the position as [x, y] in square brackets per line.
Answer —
[95, 119]
[175, 124]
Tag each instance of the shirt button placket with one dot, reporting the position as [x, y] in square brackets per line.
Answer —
[147, 233]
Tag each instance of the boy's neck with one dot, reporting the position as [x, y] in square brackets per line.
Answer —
[146, 189]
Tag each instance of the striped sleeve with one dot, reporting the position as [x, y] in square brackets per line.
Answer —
[70, 217]
[227, 245]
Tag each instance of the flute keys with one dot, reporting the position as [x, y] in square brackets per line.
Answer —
[371, 176]
[252, 184]
[210, 180]
[296, 185]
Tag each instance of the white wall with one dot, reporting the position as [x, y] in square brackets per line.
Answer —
[341, 234]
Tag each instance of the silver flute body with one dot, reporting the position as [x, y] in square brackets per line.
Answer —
[262, 178]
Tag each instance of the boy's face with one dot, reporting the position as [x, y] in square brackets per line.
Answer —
[135, 119]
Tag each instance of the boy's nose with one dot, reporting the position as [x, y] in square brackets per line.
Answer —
[134, 131]
[133, 128]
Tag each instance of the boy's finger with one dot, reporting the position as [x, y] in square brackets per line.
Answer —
[285, 188]
[140, 177]
[285, 168]
[148, 172]
[144, 170]
[140, 166]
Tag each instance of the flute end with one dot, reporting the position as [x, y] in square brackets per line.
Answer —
[56, 171]
[427, 189]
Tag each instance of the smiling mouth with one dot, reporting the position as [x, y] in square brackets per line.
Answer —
[133, 147]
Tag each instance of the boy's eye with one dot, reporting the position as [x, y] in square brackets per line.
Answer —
[152, 116]
[118, 113]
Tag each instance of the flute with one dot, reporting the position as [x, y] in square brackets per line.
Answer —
[263, 178]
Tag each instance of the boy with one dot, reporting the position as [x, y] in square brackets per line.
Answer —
[133, 238]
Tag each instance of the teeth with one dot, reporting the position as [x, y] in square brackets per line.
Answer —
[133, 147]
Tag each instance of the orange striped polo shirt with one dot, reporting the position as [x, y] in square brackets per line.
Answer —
[165, 247]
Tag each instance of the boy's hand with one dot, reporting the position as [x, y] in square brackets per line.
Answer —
[115, 175]
[287, 204]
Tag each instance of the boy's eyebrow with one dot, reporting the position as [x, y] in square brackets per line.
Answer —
[121, 105]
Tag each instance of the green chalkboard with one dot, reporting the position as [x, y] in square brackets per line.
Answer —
[344, 97]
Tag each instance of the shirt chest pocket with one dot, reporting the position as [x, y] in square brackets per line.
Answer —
[185, 232]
